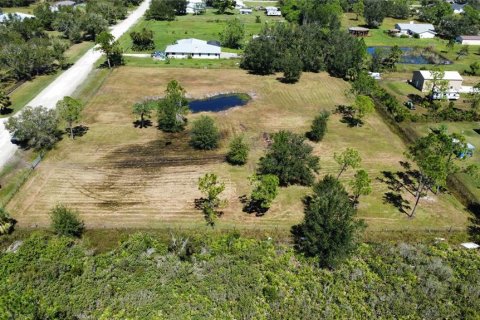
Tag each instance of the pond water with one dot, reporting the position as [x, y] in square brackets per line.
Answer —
[415, 56]
[218, 103]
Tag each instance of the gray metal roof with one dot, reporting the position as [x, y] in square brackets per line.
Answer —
[416, 27]
[192, 46]
[19, 15]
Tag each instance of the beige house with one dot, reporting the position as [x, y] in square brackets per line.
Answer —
[422, 80]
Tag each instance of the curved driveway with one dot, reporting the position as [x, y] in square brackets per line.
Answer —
[66, 83]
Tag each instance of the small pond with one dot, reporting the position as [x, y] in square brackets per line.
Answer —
[415, 55]
[219, 102]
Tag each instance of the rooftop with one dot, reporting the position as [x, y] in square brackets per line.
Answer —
[449, 75]
[19, 15]
[193, 46]
[416, 27]
[470, 37]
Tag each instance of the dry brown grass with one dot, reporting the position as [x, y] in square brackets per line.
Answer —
[121, 176]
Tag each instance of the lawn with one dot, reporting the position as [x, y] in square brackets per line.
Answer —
[208, 26]
[119, 176]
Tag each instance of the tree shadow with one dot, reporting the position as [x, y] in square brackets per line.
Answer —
[6, 110]
[250, 206]
[397, 201]
[474, 228]
[80, 131]
[416, 98]
[146, 123]
[348, 116]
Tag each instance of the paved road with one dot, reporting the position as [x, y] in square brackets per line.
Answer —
[68, 81]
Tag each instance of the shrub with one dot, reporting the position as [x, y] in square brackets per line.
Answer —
[204, 134]
[265, 190]
[66, 222]
[238, 153]
[6, 222]
[319, 127]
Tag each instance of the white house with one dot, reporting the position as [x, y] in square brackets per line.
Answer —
[194, 48]
[469, 40]
[422, 30]
[196, 6]
[16, 15]
[246, 11]
[273, 12]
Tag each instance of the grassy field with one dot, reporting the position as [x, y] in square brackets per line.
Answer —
[208, 26]
[119, 176]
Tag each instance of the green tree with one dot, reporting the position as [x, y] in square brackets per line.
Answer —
[44, 14]
[161, 10]
[463, 52]
[438, 85]
[66, 222]
[143, 110]
[204, 134]
[374, 12]
[4, 102]
[259, 56]
[110, 47]
[358, 8]
[363, 105]
[319, 127]
[238, 153]
[361, 185]
[350, 158]
[223, 5]
[290, 159]
[211, 188]
[233, 34]
[172, 110]
[329, 230]
[292, 66]
[265, 190]
[474, 97]
[93, 24]
[36, 127]
[142, 40]
[6, 222]
[474, 68]
[70, 110]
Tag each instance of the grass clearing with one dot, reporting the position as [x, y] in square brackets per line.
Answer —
[208, 26]
[119, 176]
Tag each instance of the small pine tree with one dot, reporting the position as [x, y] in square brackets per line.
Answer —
[319, 127]
[204, 134]
[238, 153]
[292, 67]
[66, 222]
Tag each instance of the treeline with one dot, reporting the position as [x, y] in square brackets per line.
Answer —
[230, 276]
[16, 3]
[166, 9]
[312, 47]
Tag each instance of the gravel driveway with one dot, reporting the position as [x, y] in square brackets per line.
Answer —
[68, 81]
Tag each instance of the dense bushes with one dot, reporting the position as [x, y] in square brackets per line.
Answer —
[232, 277]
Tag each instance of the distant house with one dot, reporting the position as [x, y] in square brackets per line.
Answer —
[56, 6]
[194, 48]
[239, 4]
[4, 17]
[469, 40]
[246, 11]
[196, 6]
[422, 81]
[273, 12]
[421, 30]
[358, 31]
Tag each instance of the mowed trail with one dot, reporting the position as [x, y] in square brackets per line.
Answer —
[68, 81]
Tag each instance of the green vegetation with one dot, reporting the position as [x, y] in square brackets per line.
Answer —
[188, 277]
[143, 110]
[109, 46]
[319, 127]
[66, 222]
[172, 109]
[211, 187]
[69, 110]
[238, 153]
[233, 34]
[204, 134]
[350, 158]
[265, 190]
[6, 222]
[142, 40]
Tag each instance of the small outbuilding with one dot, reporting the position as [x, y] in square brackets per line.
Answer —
[246, 11]
[193, 48]
[4, 17]
[358, 31]
[422, 80]
[273, 12]
[469, 40]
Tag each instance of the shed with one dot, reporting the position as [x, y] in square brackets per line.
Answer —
[246, 11]
[358, 31]
[469, 40]
[470, 245]
[194, 48]
[422, 80]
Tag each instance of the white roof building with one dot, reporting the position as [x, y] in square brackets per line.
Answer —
[196, 6]
[16, 15]
[470, 245]
[423, 30]
[194, 48]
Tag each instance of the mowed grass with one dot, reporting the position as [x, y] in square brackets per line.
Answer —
[208, 26]
[119, 176]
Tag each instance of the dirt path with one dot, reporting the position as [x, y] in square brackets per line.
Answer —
[68, 81]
